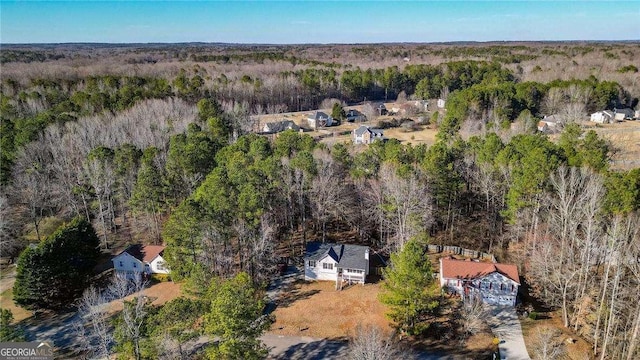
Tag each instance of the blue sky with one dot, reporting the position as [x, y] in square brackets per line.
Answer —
[316, 21]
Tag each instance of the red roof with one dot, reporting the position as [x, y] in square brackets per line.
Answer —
[145, 253]
[468, 270]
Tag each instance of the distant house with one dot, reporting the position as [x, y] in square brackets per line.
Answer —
[603, 117]
[280, 126]
[492, 283]
[319, 119]
[336, 262]
[441, 103]
[406, 109]
[145, 259]
[547, 126]
[636, 115]
[366, 135]
[379, 107]
[354, 115]
[421, 105]
[623, 114]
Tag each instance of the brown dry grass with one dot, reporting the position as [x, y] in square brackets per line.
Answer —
[625, 138]
[316, 309]
[579, 350]
[159, 293]
[6, 302]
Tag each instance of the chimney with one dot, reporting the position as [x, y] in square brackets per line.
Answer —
[366, 254]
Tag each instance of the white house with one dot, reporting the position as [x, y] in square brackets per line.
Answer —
[493, 283]
[602, 117]
[366, 135]
[319, 119]
[441, 103]
[138, 258]
[623, 114]
[336, 262]
[636, 115]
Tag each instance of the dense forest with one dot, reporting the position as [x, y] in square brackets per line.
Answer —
[159, 144]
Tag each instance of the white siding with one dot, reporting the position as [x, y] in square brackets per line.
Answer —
[494, 288]
[127, 263]
[159, 266]
[319, 272]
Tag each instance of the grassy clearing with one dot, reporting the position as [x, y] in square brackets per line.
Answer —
[6, 302]
[316, 309]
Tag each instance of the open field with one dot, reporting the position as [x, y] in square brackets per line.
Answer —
[625, 138]
[335, 134]
[316, 309]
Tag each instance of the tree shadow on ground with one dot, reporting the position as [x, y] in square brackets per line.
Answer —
[321, 349]
[289, 297]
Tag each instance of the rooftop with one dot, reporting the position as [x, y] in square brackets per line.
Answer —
[347, 256]
[468, 270]
[144, 253]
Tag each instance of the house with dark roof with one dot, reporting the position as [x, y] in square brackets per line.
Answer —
[319, 119]
[366, 135]
[146, 259]
[354, 115]
[280, 126]
[492, 283]
[623, 114]
[336, 262]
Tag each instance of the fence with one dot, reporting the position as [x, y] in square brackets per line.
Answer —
[457, 250]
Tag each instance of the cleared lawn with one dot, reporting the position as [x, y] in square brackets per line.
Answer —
[316, 309]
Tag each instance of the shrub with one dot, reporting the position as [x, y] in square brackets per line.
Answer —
[160, 277]
[533, 315]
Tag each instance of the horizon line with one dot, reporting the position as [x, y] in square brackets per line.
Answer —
[317, 43]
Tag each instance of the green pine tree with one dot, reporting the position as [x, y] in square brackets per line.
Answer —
[56, 272]
[409, 288]
[236, 319]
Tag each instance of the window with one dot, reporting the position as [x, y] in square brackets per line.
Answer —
[312, 263]
[327, 266]
[120, 264]
[355, 271]
[161, 265]
[135, 265]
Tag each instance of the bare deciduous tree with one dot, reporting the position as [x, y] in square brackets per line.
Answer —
[547, 344]
[407, 204]
[371, 343]
[472, 316]
[92, 329]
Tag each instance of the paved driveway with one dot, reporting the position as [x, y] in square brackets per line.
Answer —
[505, 325]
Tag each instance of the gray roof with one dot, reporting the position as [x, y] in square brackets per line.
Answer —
[362, 129]
[319, 115]
[282, 126]
[347, 256]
